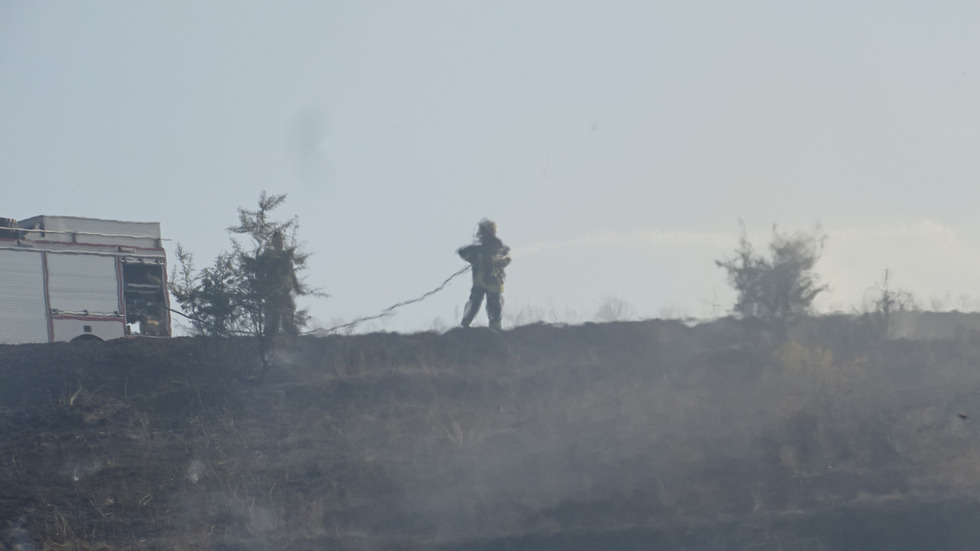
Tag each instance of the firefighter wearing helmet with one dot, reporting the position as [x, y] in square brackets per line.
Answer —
[276, 283]
[488, 258]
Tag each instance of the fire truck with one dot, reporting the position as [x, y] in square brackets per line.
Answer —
[67, 278]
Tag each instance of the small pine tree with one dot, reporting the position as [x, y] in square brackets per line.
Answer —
[208, 296]
[251, 289]
[268, 269]
[781, 287]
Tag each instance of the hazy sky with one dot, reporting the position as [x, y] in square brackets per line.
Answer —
[617, 144]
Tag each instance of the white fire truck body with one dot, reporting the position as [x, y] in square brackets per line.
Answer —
[68, 278]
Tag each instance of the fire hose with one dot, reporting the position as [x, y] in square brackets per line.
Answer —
[390, 310]
[383, 314]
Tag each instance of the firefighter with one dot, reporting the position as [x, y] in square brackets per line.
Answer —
[277, 281]
[488, 258]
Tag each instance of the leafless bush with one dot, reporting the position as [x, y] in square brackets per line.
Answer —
[881, 301]
[614, 309]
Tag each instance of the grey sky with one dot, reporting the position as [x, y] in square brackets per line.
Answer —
[615, 143]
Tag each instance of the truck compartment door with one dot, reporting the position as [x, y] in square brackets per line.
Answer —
[24, 316]
[86, 283]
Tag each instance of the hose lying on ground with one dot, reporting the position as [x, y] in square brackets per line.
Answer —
[389, 310]
[351, 324]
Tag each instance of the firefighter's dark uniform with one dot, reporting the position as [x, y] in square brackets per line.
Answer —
[276, 282]
[488, 259]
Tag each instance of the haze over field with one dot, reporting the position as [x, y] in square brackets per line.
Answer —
[615, 144]
[620, 436]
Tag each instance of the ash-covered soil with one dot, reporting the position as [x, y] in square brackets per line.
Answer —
[621, 436]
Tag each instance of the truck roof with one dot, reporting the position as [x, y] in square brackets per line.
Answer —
[96, 231]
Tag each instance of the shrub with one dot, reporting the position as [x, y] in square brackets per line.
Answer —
[251, 289]
[781, 287]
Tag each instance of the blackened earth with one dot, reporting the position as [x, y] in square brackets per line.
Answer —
[619, 436]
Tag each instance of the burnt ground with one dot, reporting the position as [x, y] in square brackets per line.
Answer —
[621, 436]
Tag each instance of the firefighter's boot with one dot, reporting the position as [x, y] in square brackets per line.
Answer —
[469, 312]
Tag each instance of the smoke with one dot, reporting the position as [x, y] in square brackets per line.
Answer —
[306, 144]
[84, 470]
[637, 424]
[930, 259]
[611, 430]
[651, 238]
[18, 535]
[195, 470]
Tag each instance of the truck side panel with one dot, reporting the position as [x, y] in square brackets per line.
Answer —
[24, 318]
[70, 328]
[83, 283]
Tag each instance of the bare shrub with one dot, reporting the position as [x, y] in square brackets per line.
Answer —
[881, 301]
[614, 309]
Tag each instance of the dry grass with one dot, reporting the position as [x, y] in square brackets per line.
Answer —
[432, 441]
